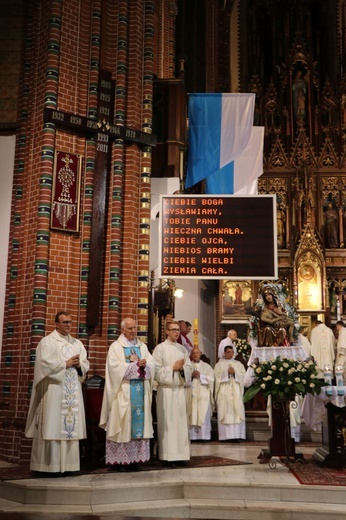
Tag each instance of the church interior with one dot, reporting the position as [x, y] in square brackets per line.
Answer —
[98, 91]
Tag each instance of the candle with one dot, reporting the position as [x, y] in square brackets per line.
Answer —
[339, 378]
[338, 313]
[195, 332]
[328, 380]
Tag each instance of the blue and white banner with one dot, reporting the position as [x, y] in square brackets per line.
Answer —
[243, 172]
[220, 131]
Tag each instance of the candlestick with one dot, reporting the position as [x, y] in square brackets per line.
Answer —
[338, 313]
[195, 332]
[328, 380]
[339, 378]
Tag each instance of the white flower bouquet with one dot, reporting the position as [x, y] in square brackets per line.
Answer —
[284, 378]
[242, 347]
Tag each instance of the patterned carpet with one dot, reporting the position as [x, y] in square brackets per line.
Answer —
[312, 474]
[264, 444]
[203, 461]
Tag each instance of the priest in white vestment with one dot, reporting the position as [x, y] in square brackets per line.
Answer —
[340, 360]
[229, 390]
[228, 340]
[305, 343]
[127, 398]
[56, 418]
[173, 370]
[200, 394]
[323, 345]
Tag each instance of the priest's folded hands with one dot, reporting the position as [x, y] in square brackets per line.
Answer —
[178, 365]
[231, 370]
[73, 361]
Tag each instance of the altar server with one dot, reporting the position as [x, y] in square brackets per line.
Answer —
[229, 390]
[200, 398]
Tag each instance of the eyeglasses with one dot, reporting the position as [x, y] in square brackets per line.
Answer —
[66, 322]
[174, 330]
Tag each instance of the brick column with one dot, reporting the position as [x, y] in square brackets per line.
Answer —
[145, 188]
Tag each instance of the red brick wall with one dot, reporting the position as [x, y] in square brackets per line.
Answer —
[11, 38]
[60, 68]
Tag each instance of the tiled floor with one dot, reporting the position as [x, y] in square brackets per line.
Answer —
[244, 492]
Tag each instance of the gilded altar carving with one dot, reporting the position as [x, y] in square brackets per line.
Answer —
[309, 282]
[328, 158]
[303, 153]
[278, 158]
[303, 110]
[310, 272]
[278, 186]
[329, 188]
[337, 295]
[333, 261]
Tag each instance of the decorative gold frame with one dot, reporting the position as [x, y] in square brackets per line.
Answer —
[235, 299]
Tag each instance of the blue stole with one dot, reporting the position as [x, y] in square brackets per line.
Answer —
[136, 397]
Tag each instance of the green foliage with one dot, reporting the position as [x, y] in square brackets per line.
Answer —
[284, 378]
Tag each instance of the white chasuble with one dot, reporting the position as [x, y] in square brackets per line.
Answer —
[57, 401]
[56, 415]
[116, 404]
[229, 392]
[322, 347]
[171, 403]
[200, 394]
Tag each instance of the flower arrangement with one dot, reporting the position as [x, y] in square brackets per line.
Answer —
[253, 324]
[242, 347]
[284, 378]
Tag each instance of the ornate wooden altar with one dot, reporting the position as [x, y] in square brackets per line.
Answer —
[332, 453]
